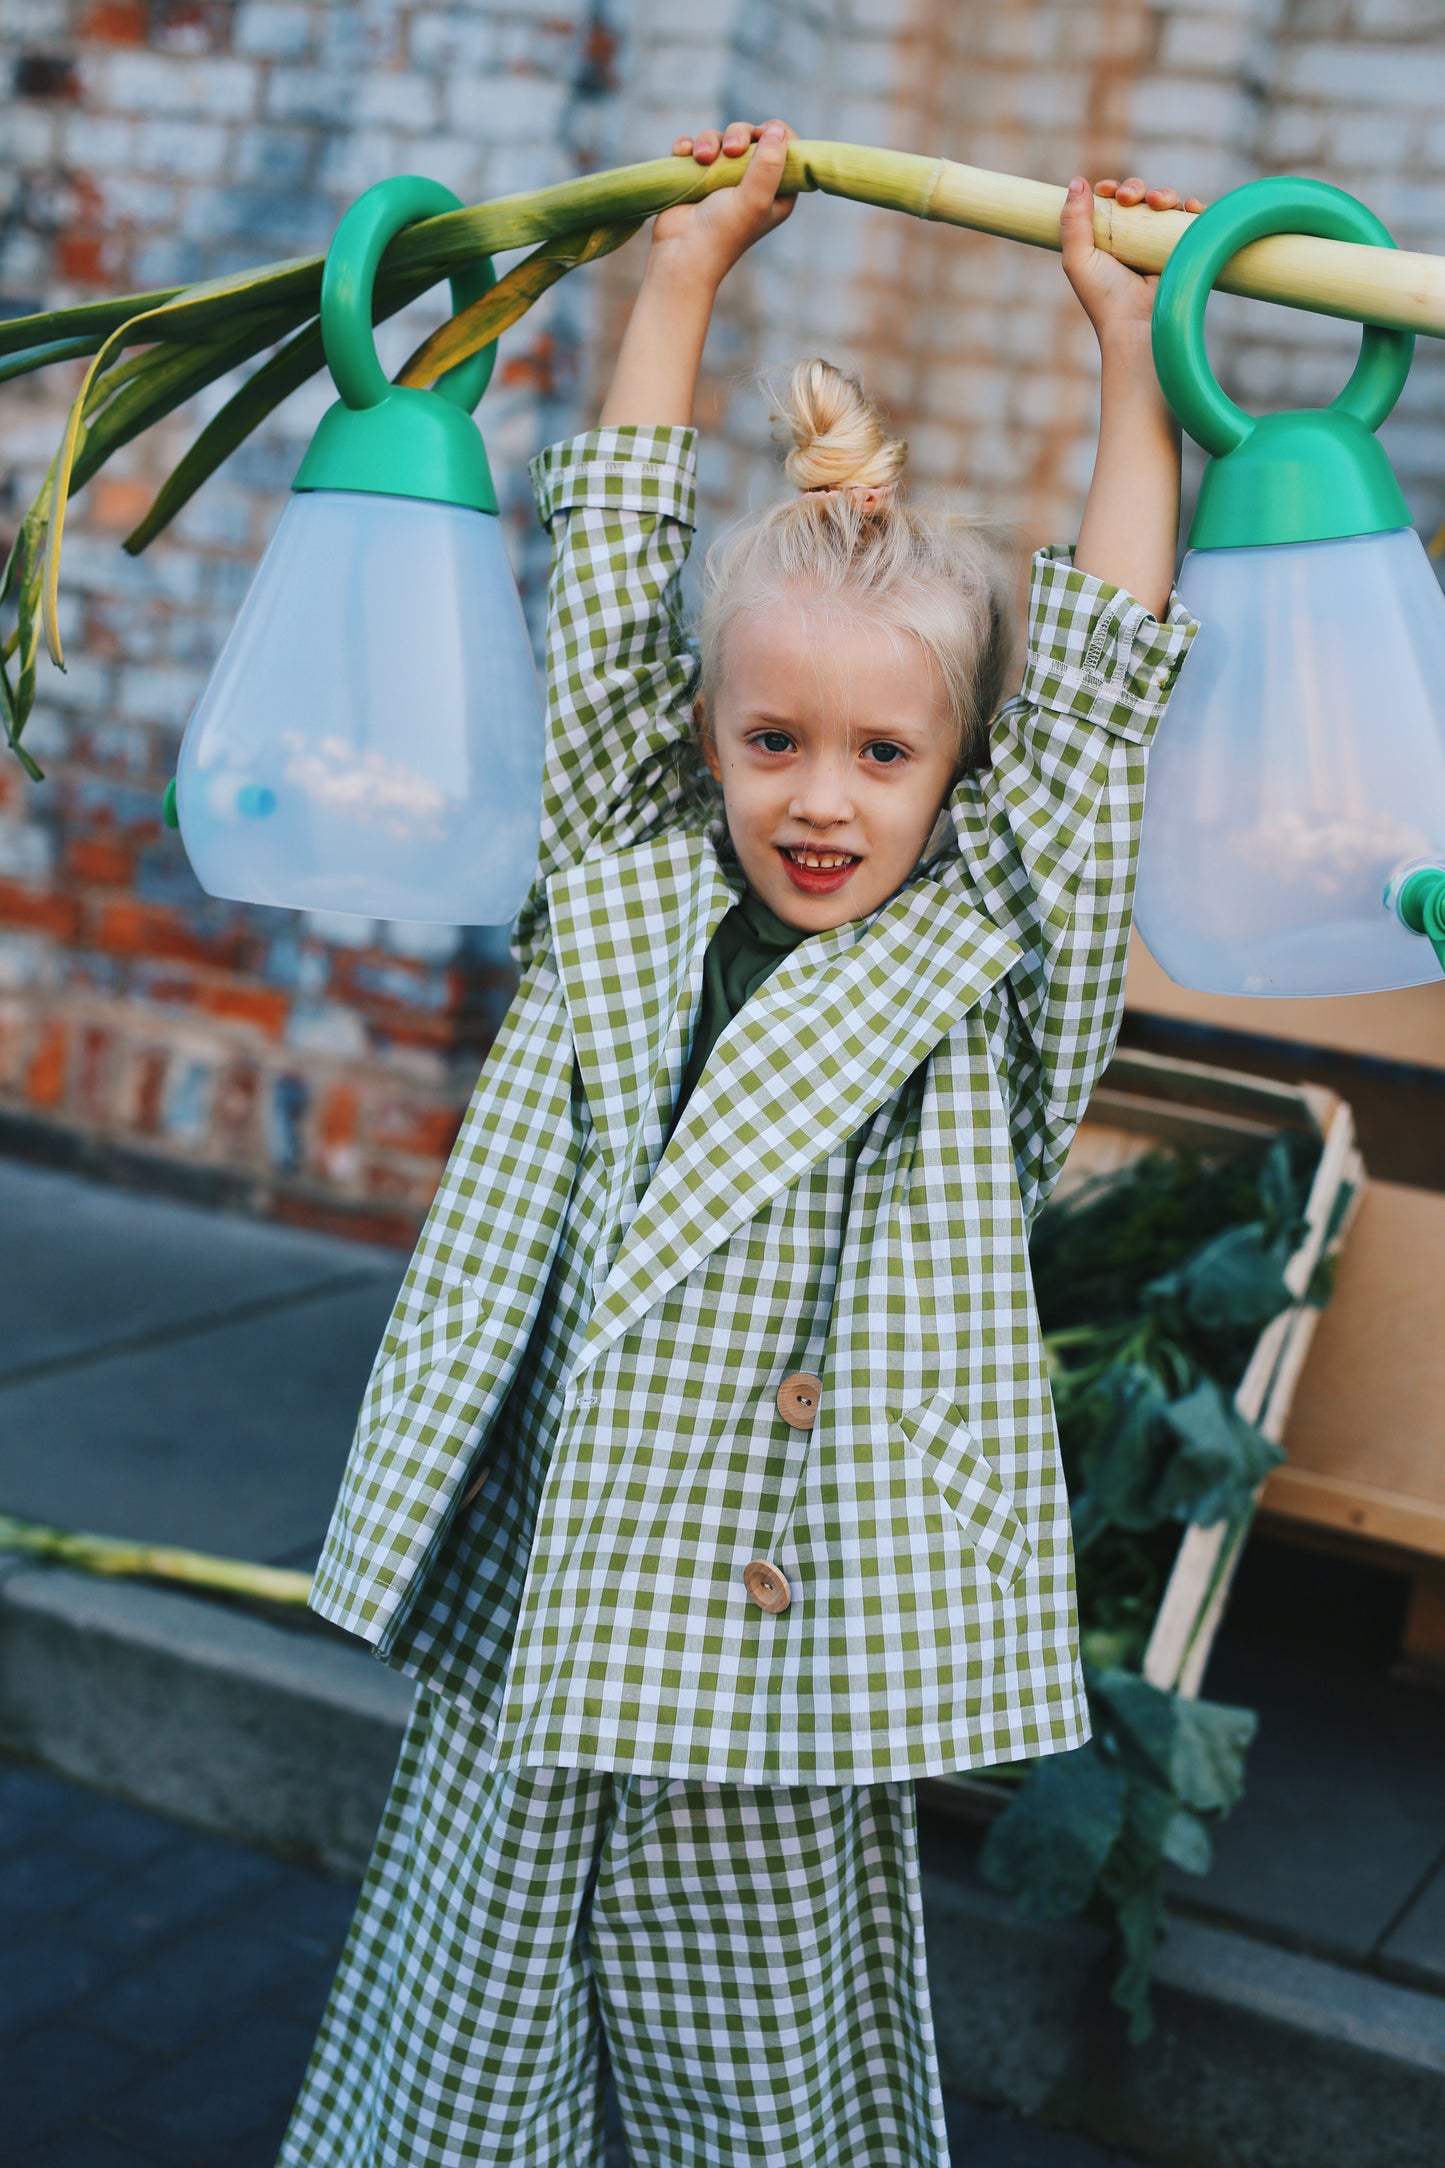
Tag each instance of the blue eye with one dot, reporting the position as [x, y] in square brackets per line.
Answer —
[774, 741]
[888, 756]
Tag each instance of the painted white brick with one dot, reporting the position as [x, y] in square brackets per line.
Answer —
[93, 142]
[219, 89]
[1294, 134]
[85, 683]
[1358, 74]
[452, 40]
[31, 133]
[1405, 16]
[191, 150]
[314, 94]
[453, 161]
[1206, 43]
[1167, 106]
[132, 200]
[395, 100]
[273, 32]
[158, 694]
[874, 15]
[505, 109]
[27, 853]
[1014, 33]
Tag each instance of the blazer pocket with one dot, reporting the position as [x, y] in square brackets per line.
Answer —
[951, 1455]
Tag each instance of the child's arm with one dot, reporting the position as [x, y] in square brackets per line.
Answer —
[618, 501]
[1050, 831]
[1131, 517]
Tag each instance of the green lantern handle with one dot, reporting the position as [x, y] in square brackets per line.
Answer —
[1288, 203]
[352, 261]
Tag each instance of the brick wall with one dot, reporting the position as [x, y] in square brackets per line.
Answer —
[311, 1066]
[316, 1067]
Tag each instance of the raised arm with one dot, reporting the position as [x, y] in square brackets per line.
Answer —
[619, 504]
[1050, 830]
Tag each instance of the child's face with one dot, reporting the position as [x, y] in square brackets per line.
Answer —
[831, 739]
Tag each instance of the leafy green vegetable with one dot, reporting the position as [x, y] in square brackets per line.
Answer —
[1089, 1831]
[1153, 1287]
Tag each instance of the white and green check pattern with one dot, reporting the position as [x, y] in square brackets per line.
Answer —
[753, 1956]
[602, 1324]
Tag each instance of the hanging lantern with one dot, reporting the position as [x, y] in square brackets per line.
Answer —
[370, 739]
[1298, 780]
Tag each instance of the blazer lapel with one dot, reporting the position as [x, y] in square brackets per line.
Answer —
[822, 1044]
[630, 929]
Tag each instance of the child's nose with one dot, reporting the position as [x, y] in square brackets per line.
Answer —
[821, 796]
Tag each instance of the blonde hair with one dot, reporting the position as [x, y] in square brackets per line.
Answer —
[852, 540]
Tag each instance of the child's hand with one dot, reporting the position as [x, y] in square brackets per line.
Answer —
[706, 239]
[1114, 297]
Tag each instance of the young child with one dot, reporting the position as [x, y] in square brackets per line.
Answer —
[707, 1478]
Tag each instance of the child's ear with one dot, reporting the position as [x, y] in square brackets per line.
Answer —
[705, 738]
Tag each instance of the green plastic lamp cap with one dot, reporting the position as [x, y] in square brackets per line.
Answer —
[391, 440]
[1308, 475]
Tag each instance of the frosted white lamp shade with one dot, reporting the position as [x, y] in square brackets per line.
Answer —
[370, 740]
[1300, 765]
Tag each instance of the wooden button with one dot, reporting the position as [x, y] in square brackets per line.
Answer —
[767, 1587]
[798, 1398]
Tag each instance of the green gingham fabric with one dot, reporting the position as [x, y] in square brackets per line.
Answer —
[754, 1958]
[594, 1327]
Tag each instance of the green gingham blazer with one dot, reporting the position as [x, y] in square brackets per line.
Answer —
[570, 1447]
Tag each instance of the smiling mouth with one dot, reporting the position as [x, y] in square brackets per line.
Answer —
[818, 861]
[815, 872]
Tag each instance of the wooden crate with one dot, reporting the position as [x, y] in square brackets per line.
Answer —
[1366, 1432]
[1149, 1101]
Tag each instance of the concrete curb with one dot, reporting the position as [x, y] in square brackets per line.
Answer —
[1262, 2057]
[287, 1739]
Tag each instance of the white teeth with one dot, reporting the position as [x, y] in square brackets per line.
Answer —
[821, 861]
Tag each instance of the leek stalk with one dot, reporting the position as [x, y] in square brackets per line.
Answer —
[189, 337]
[118, 1555]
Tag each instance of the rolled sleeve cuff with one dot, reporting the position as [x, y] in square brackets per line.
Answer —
[1095, 651]
[629, 469]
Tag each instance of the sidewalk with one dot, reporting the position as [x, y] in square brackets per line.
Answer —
[194, 1377]
[159, 1990]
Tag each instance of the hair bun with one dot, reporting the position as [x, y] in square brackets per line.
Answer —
[837, 432]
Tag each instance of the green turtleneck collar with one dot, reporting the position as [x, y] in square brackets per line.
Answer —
[749, 944]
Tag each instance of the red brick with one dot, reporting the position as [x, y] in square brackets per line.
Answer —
[337, 1121]
[86, 258]
[39, 908]
[233, 1113]
[117, 501]
[15, 1022]
[100, 861]
[45, 1074]
[94, 1073]
[534, 368]
[169, 986]
[117, 22]
[360, 1225]
[148, 1090]
[412, 1187]
[439, 1034]
[264, 1006]
[425, 1130]
[154, 929]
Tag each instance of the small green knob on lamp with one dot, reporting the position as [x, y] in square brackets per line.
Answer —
[1420, 904]
[169, 814]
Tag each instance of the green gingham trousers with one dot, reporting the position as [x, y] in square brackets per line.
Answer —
[747, 1958]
